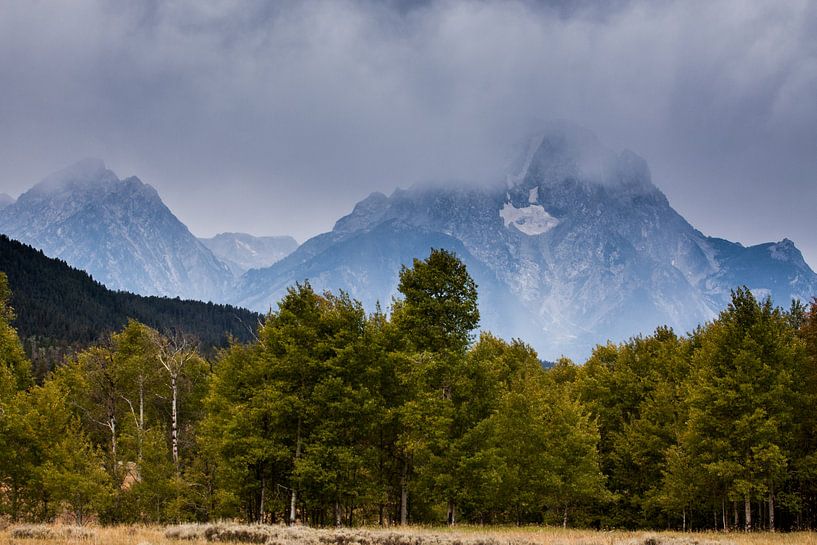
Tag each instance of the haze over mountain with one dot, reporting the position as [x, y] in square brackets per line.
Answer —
[241, 252]
[220, 105]
[119, 231]
[576, 247]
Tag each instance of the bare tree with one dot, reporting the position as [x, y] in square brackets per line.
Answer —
[175, 352]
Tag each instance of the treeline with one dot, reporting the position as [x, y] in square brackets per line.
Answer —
[62, 310]
[335, 417]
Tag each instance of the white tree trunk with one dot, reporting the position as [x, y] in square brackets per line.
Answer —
[725, 517]
[404, 494]
[174, 354]
[736, 518]
[174, 420]
[112, 426]
[294, 498]
[141, 438]
[771, 509]
[747, 509]
[261, 514]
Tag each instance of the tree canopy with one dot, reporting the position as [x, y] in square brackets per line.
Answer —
[331, 416]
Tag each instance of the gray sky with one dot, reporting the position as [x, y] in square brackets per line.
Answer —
[275, 118]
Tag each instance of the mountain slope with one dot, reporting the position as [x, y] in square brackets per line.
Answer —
[242, 252]
[119, 231]
[577, 244]
[5, 200]
[59, 308]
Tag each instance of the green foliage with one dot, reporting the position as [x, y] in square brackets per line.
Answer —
[534, 457]
[330, 417]
[15, 369]
[73, 476]
[62, 310]
[438, 311]
[282, 408]
[635, 392]
[740, 397]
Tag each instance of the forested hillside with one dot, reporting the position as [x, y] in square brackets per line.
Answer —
[60, 309]
[335, 417]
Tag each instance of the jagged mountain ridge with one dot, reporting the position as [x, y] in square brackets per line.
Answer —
[119, 231]
[242, 252]
[576, 247]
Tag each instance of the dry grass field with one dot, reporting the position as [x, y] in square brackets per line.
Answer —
[195, 535]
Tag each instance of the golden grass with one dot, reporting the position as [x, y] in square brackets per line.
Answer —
[154, 535]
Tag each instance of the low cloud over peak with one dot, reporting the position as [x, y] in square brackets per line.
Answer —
[279, 117]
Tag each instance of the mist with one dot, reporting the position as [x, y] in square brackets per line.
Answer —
[276, 118]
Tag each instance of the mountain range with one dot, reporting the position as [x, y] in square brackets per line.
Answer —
[123, 235]
[574, 247]
[242, 252]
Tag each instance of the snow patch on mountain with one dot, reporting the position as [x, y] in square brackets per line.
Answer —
[533, 195]
[532, 220]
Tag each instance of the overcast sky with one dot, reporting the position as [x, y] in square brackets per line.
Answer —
[276, 117]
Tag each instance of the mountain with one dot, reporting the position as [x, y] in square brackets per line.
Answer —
[242, 252]
[119, 231]
[576, 246]
[5, 200]
[60, 309]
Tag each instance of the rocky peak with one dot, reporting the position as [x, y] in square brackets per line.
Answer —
[367, 212]
[119, 231]
[84, 174]
[576, 247]
[563, 152]
[134, 187]
[785, 250]
[6, 200]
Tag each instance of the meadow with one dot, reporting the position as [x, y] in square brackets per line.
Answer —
[461, 535]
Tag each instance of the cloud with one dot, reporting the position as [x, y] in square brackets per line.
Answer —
[277, 117]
